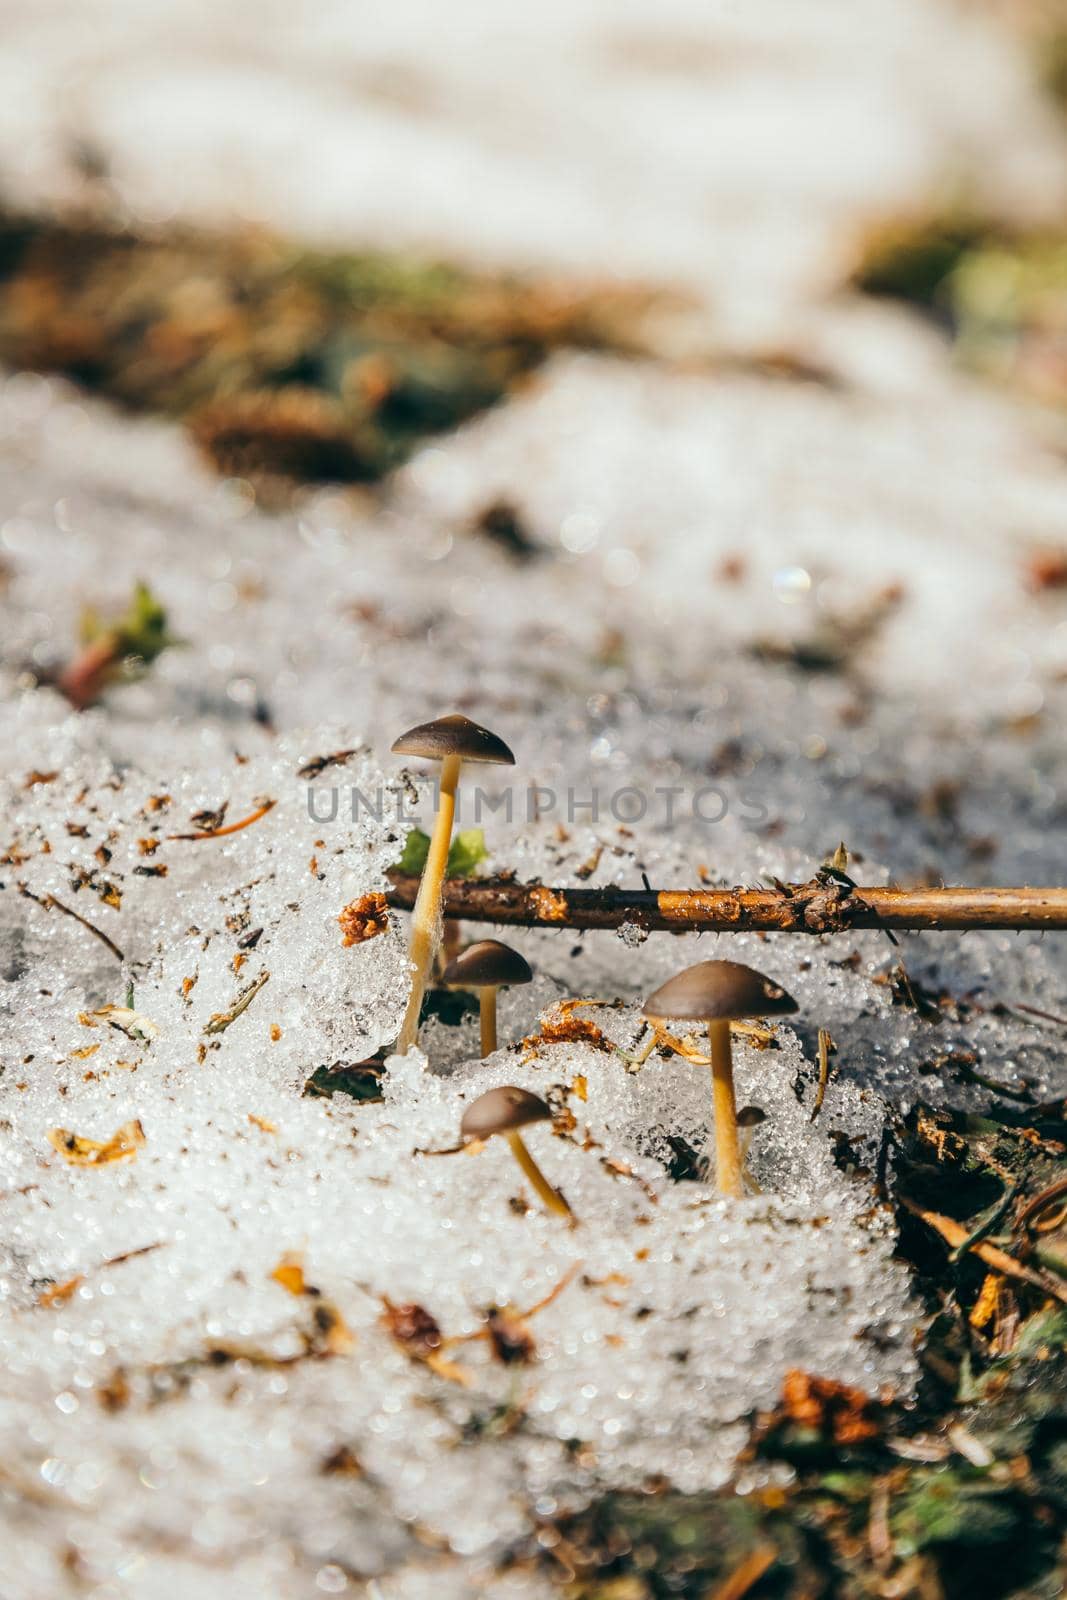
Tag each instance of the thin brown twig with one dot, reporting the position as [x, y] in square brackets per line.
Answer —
[522, 1316]
[233, 827]
[1035, 1011]
[50, 903]
[814, 907]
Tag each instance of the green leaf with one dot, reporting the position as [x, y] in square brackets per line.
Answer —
[465, 855]
[416, 849]
[467, 852]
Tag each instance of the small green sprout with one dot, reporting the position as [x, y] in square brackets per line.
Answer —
[466, 853]
[114, 649]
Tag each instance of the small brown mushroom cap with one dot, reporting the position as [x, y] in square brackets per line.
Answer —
[454, 735]
[718, 991]
[502, 1111]
[486, 964]
[750, 1117]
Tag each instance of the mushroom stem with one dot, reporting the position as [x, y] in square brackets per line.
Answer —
[746, 1175]
[425, 918]
[551, 1197]
[450, 942]
[727, 1153]
[487, 1009]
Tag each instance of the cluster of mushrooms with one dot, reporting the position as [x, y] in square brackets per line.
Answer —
[715, 993]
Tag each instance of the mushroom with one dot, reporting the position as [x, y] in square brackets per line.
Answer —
[718, 993]
[450, 740]
[506, 1110]
[487, 966]
[749, 1119]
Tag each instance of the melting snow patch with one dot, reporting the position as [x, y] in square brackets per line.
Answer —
[249, 1335]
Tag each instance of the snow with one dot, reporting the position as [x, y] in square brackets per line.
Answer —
[125, 1434]
[354, 624]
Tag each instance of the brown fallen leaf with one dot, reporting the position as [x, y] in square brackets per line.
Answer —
[622, 1169]
[330, 1334]
[82, 1152]
[342, 1463]
[418, 1334]
[114, 1392]
[847, 1414]
[335, 1337]
[567, 1030]
[290, 1274]
[416, 1330]
[1046, 569]
[59, 1293]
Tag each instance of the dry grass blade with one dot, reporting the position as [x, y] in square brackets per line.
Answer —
[826, 1049]
[222, 1019]
[745, 1576]
[954, 1234]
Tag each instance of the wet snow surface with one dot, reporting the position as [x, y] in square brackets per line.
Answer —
[173, 1420]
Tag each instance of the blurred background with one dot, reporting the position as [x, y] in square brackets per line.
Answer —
[737, 149]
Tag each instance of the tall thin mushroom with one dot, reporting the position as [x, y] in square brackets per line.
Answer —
[452, 740]
[749, 1118]
[505, 1111]
[487, 967]
[718, 993]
